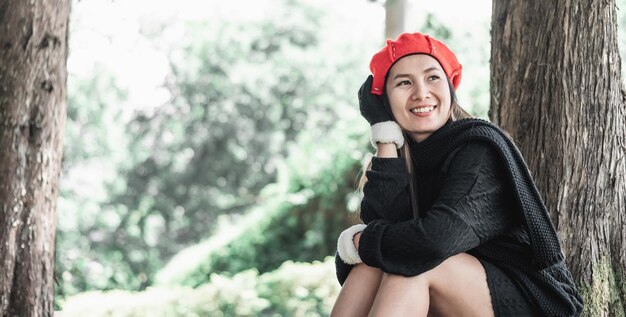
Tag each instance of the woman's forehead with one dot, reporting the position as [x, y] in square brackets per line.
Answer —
[415, 63]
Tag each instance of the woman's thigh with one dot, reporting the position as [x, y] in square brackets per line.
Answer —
[358, 291]
[456, 287]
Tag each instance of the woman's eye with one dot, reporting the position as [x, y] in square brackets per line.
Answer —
[433, 77]
[404, 82]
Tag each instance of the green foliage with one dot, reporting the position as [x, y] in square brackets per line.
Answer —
[299, 218]
[240, 100]
[241, 97]
[435, 28]
[92, 116]
[93, 139]
[211, 149]
[294, 289]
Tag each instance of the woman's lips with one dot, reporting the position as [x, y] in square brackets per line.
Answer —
[423, 111]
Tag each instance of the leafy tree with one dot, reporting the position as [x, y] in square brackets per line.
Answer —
[298, 218]
[240, 98]
[94, 146]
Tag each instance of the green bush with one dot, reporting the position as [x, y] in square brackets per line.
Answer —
[294, 289]
[299, 218]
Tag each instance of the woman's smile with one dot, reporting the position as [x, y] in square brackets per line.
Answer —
[423, 111]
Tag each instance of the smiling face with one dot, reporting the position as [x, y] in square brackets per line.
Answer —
[419, 95]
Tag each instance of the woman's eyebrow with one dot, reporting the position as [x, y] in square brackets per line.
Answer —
[430, 69]
[400, 75]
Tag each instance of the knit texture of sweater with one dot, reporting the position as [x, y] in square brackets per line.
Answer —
[475, 195]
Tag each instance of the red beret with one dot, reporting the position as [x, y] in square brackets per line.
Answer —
[413, 43]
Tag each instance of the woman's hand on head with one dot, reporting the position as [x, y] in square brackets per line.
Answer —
[384, 128]
[371, 106]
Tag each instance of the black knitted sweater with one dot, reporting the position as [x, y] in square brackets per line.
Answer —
[475, 195]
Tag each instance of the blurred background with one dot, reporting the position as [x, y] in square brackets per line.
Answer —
[212, 148]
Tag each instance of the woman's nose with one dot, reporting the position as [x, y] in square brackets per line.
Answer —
[420, 92]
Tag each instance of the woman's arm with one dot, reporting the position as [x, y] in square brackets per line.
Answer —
[474, 205]
[385, 194]
[386, 150]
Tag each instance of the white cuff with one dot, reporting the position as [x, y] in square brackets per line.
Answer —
[345, 245]
[387, 132]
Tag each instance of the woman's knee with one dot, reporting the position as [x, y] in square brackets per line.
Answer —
[401, 296]
[358, 291]
[364, 276]
[405, 284]
[365, 271]
[459, 262]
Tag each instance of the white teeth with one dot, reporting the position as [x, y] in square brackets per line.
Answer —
[424, 109]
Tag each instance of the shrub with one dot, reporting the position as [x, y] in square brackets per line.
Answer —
[294, 289]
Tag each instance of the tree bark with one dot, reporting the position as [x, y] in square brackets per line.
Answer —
[395, 12]
[33, 55]
[556, 87]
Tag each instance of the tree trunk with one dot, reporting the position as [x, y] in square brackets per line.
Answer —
[395, 12]
[556, 87]
[33, 54]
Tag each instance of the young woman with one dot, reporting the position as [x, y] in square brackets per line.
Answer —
[454, 226]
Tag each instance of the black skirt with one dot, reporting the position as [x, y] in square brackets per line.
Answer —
[507, 298]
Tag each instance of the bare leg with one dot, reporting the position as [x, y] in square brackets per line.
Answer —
[358, 292]
[459, 288]
[402, 296]
[456, 287]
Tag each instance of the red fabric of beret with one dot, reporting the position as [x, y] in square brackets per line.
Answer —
[413, 43]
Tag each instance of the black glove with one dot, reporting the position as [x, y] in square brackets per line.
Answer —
[371, 106]
[384, 129]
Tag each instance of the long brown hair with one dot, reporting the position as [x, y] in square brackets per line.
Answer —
[456, 113]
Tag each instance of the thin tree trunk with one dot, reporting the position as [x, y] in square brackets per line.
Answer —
[33, 54]
[556, 87]
[395, 12]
